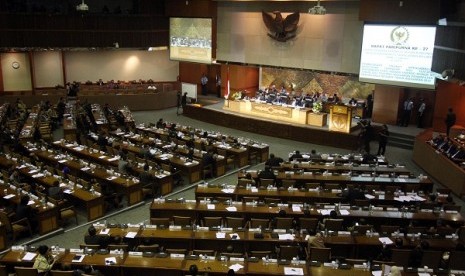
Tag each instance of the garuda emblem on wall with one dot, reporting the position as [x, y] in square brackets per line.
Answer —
[281, 29]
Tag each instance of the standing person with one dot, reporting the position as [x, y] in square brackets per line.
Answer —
[369, 106]
[218, 86]
[408, 106]
[383, 139]
[450, 120]
[421, 111]
[178, 102]
[203, 82]
[184, 101]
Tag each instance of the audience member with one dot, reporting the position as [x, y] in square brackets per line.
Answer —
[44, 261]
[295, 156]
[273, 161]
[93, 239]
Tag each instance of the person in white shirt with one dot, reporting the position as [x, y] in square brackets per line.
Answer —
[420, 113]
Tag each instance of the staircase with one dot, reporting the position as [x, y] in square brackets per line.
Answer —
[401, 140]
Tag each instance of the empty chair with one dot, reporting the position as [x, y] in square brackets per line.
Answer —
[456, 260]
[121, 246]
[246, 199]
[356, 261]
[65, 213]
[25, 271]
[182, 221]
[319, 254]
[230, 159]
[431, 259]
[288, 252]
[308, 223]
[332, 186]
[388, 229]
[148, 248]
[94, 247]
[176, 251]
[61, 273]
[204, 252]
[461, 233]
[207, 171]
[284, 223]
[212, 221]
[451, 207]
[264, 182]
[259, 223]
[269, 200]
[242, 183]
[312, 185]
[362, 202]
[334, 224]
[235, 223]
[164, 222]
[288, 183]
[16, 228]
[259, 254]
[401, 257]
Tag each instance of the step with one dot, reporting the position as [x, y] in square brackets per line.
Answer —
[401, 140]
[400, 145]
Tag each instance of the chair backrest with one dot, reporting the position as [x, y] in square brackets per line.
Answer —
[312, 185]
[412, 187]
[123, 247]
[372, 187]
[259, 223]
[60, 273]
[3, 271]
[456, 260]
[288, 183]
[319, 254]
[462, 233]
[259, 254]
[308, 223]
[266, 182]
[334, 224]
[148, 248]
[90, 246]
[388, 229]
[444, 191]
[288, 252]
[25, 271]
[417, 229]
[182, 221]
[431, 259]
[160, 221]
[362, 229]
[233, 222]
[452, 207]
[204, 252]
[401, 257]
[212, 221]
[284, 223]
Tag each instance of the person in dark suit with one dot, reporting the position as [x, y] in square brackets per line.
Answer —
[146, 179]
[296, 155]
[93, 239]
[23, 210]
[266, 174]
[273, 161]
[383, 139]
[450, 120]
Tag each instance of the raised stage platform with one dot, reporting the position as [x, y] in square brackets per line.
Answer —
[304, 133]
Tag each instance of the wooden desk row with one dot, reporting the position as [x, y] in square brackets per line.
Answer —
[198, 210]
[129, 186]
[343, 167]
[308, 177]
[130, 264]
[304, 195]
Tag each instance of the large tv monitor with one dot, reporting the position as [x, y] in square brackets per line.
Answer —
[191, 39]
[399, 55]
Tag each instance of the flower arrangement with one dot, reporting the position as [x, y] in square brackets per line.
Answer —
[317, 107]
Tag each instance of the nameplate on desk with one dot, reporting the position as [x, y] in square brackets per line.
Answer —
[62, 161]
[177, 256]
[296, 208]
[220, 235]
[286, 237]
[343, 233]
[177, 227]
[279, 230]
[226, 229]
[254, 190]
[328, 207]
[76, 250]
[211, 206]
[235, 259]
[426, 210]
[255, 230]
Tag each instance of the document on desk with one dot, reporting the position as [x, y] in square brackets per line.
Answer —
[385, 240]
[293, 271]
[286, 237]
[29, 256]
[131, 235]
[368, 196]
[228, 191]
[231, 209]
[211, 206]
[237, 267]
[78, 258]
[220, 235]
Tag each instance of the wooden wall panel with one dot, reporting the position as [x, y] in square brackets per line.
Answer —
[448, 95]
[240, 78]
[400, 11]
[387, 100]
[190, 8]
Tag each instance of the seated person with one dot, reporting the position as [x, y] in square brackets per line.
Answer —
[93, 239]
[274, 161]
[266, 174]
[314, 154]
[296, 155]
[44, 261]
[353, 102]
[55, 191]
[316, 241]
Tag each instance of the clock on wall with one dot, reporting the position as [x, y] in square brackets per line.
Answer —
[15, 65]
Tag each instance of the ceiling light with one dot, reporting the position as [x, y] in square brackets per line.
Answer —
[82, 7]
[318, 9]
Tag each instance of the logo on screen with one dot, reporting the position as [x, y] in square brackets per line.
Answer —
[399, 35]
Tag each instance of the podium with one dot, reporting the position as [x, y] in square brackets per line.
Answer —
[340, 118]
